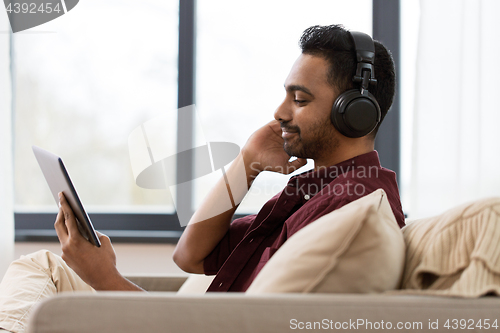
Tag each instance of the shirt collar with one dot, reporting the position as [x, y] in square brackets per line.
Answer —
[332, 172]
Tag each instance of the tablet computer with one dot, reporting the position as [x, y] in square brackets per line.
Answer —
[58, 179]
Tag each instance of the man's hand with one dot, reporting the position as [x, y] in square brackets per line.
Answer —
[264, 151]
[95, 265]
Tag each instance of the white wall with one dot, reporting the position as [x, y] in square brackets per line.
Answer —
[6, 175]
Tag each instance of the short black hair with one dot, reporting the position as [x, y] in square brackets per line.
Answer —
[334, 43]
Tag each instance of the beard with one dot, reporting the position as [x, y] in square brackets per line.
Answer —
[321, 140]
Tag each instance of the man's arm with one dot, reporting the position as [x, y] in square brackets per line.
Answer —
[95, 265]
[263, 151]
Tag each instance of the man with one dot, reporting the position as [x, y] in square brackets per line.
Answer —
[345, 168]
[303, 127]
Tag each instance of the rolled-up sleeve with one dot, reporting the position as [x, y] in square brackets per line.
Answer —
[237, 230]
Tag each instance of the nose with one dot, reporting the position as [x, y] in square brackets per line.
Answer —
[283, 113]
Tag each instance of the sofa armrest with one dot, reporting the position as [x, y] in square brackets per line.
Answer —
[159, 283]
[236, 312]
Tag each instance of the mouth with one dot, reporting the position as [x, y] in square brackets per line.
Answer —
[287, 132]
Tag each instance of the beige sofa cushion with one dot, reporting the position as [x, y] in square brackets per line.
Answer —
[456, 253]
[356, 249]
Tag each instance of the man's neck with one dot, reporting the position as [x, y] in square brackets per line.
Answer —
[340, 155]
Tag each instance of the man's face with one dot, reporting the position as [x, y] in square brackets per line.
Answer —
[305, 113]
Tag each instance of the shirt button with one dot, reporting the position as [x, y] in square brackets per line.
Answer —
[220, 285]
[251, 240]
[307, 197]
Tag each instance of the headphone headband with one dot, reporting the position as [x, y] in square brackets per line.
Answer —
[365, 56]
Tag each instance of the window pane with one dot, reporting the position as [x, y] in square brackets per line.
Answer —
[244, 53]
[84, 82]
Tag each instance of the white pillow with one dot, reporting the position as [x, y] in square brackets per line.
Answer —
[196, 284]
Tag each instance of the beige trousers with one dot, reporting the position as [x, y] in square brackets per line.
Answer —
[31, 279]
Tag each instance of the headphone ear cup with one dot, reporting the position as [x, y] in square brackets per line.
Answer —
[355, 115]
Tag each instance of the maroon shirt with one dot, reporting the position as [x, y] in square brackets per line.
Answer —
[252, 240]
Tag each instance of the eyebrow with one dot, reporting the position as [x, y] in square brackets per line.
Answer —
[295, 87]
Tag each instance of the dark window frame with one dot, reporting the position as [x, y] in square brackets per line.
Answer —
[387, 29]
[165, 228]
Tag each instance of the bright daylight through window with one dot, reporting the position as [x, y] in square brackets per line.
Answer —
[83, 82]
[244, 54]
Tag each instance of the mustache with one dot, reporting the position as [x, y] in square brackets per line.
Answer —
[289, 128]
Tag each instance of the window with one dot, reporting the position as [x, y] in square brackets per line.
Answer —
[85, 81]
[409, 28]
[244, 54]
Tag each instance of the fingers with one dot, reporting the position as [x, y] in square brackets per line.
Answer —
[60, 226]
[106, 245]
[69, 217]
[102, 237]
[105, 241]
[275, 125]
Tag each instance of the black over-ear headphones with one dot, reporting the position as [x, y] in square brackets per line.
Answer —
[355, 112]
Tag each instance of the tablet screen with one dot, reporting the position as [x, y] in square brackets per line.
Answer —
[58, 179]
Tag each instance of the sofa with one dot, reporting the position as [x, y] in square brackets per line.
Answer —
[360, 273]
